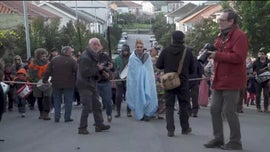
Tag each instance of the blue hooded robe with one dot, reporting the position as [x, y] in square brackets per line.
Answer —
[141, 92]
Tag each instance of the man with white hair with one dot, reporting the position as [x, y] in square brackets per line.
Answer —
[87, 76]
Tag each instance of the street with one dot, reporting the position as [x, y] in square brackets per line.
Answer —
[30, 134]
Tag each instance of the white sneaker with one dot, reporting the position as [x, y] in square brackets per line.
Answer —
[52, 111]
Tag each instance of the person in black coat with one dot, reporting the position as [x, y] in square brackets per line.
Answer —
[169, 60]
[194, 86]
[2, 96]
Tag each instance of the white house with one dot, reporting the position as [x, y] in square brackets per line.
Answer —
[126, 7]
[179, 13]
[93, 23]
[97, 9]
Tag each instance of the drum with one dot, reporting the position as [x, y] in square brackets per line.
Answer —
[263, 77]
[5, 87]
[42, 86]
[123, 74]
[24, 91]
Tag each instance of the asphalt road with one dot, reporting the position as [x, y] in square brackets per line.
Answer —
[30, 134]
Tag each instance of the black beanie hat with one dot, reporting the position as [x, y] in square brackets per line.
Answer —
[178, 37]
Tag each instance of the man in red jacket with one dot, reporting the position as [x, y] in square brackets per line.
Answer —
[229, 78]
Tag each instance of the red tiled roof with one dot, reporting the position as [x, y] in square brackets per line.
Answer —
[204, 13]
[16, 7]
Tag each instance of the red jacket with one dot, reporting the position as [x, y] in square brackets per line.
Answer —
[230, 61]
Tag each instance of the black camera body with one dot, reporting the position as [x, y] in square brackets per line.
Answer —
[106, 66]
[205, 54]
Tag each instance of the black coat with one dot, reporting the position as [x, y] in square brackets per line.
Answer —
[198, 72]
[2, 98]
[169, 60]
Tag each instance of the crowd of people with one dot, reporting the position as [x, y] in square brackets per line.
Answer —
[90, 76]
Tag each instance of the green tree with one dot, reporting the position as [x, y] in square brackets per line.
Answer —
[255, 21]
[37, 33]
[52, 35]
[204, 32]
[126, 18]
[162, 30]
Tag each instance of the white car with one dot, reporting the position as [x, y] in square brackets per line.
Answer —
[152, 38]
[125, 35]
[119, 47]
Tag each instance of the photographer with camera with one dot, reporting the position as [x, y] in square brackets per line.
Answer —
[104, 85]
[229, 79]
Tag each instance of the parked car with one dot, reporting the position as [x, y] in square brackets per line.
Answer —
[122, 41]
[119, 48]
[152, 38]
[125, 35]
[154, 43]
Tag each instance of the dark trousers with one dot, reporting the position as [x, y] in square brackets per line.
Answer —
[10, 95]
[44, 104]
[183, 101]
[243, 96]
[77, 96]
[90, 102]
[120, 91]
[114, 96]
[259, 88]
[194, 93]
[31, 100]
[2, 100]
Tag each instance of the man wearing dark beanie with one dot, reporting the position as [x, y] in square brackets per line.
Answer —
[169, 60]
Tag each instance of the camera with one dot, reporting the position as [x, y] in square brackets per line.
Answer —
[106, 66]
[205, 54]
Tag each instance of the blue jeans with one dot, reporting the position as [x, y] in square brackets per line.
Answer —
[105, 92]
[57, 99]
[21, 104]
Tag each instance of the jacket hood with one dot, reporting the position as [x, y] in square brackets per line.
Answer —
[177, 48]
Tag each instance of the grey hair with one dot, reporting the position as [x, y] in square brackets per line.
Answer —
[65, 49]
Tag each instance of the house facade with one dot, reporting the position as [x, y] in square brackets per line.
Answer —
[206, 11]
[179, 13]
[67, 14]
[126, 7]
[12, 13]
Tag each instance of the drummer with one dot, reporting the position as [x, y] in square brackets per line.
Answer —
[260, 66]
[21, 101]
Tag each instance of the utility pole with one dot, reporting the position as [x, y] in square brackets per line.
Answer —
[26, 25]
[109, 24]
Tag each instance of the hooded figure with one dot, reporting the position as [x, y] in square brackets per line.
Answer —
[120, 63]
[169, 61]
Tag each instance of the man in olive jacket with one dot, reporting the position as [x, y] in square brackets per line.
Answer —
[169, 60]
[63, 70]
